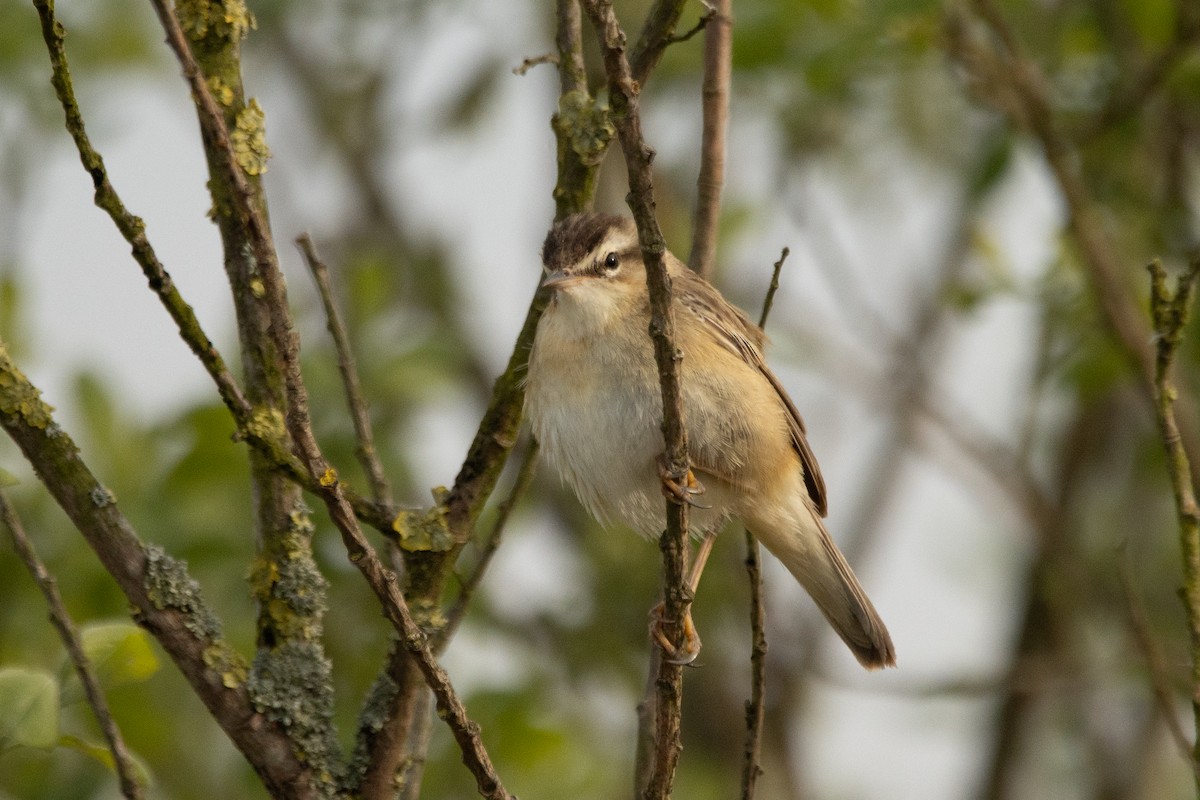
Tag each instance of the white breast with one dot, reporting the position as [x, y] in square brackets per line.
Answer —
[597, 413]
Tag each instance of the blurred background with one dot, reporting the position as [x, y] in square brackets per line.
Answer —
[992, 465]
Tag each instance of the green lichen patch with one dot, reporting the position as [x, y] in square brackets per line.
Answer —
[586, 125]
[221, 91]
[249, 139]
[266, 424]
[215, 21]
[169, 586]
[291, 685]
[19, 398]
[425, 531]
[288, 584]
[226, 662]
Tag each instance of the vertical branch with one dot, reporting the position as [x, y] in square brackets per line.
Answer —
[206, 38]
[755, 706]
[623, 99]
[131, 787]
[718, 68]
[1170, 313]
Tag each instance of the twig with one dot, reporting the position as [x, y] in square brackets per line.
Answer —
[131, 787]
[623, 99]
[368, 456]
[1160, 681]
[718, 68]
[656, 35]
[701, 24]
[533, 61]
[1170, 312]
[772, 288]
[755, 706]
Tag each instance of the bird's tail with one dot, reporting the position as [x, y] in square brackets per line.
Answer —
[811, 556]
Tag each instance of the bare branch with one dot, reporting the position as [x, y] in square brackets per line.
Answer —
[769, 300]
[656, 35]
[131, 786]
[756, 705]
[533, 61]
[701, 24]
[623, 98]
[718, 68]
[130, 226]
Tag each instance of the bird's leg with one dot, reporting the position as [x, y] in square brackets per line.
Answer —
[702, 554]
[690, 648]
[684, 492]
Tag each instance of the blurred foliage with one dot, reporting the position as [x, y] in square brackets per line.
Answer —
[844, 80]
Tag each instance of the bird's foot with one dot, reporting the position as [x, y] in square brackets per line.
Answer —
[682, 492]
[687, 651]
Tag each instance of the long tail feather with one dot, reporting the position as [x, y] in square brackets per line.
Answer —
[815, 561]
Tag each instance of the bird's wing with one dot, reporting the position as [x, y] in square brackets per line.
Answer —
[741, 336]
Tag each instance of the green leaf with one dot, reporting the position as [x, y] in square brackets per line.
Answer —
[28, 708]
[101, 753]
[7, 479]
[120, 652]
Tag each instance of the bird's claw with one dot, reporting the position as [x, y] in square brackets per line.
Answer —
[681, 492]
[688, 650]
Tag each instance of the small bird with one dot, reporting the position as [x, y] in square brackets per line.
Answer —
[595, 406]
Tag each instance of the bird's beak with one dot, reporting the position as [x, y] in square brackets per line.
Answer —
[559, 279]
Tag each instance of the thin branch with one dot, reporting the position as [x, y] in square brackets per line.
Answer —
[701, 24]
[568, 38]
[718, 69]
[656, 35]
[769, 300]
[1160, 680]
[368, 456]
[1170, 312]
[532, 61]
[127, 775]
[362, 555]
[623, 99]
[756, 705]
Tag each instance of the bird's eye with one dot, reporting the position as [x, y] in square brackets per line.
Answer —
[611, 261]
